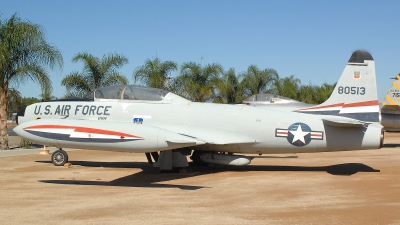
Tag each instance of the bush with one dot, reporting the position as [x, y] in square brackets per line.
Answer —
[25, 143]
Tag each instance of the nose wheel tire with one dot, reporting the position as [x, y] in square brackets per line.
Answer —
[59, 158]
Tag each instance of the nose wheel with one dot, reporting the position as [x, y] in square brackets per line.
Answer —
[59, 157]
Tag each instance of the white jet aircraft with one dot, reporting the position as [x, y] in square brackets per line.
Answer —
[148, 120]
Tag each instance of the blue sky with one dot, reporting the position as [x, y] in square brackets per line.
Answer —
[312, 40]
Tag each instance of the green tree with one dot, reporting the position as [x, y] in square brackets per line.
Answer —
[28, 101]
[24, 55]
[96, 73]
[287, 87]
[14, 101]
[323, 92]
[155, 73]
[197, 82]
[307, 94]
[256, 81]
[229, 89]
[315, 94]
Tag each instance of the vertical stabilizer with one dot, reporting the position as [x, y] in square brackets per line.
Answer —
[392, 98]
[390, 111]
[355, 95]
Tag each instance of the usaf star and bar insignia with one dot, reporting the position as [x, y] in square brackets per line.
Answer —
[299, 134]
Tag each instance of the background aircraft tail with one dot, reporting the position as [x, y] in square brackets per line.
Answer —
[355, 95]
[391, 103]
[390, 111]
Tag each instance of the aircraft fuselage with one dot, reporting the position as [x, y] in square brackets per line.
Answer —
[225, 128]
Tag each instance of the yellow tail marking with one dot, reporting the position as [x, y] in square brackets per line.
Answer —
[398, 76]
[383, 103]
[396, 85]
[390, 100]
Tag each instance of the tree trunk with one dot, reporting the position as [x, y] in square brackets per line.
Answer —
[3, 117]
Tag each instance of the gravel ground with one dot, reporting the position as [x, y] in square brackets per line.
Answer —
[355, 187]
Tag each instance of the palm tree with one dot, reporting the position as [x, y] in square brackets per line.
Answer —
[197, 82]
[46, 94]
[96, 73]
[24, 55]
[257, 81]
[229, 89]
[155, 73]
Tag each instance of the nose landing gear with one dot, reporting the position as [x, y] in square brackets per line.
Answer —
[59, 157]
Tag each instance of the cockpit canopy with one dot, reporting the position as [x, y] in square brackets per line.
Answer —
[128, 92]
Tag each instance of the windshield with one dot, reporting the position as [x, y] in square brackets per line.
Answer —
[130, 92]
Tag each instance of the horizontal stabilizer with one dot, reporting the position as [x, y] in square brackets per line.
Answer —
[344, 122]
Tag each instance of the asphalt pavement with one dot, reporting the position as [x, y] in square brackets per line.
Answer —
[11, 132]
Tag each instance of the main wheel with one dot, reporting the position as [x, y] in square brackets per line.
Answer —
[59, 158]
[196, 158]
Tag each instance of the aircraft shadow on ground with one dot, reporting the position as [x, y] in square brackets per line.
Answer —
[150, 177]
[391, 145]
[277, 157]
[141, 179]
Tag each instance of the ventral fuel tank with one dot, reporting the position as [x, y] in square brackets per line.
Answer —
[235, 160]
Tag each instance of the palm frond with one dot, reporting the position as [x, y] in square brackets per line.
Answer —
[155, 73]
[96, 73]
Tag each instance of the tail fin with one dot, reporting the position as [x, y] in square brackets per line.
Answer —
[391, 103]
[390, 111]
[355, 95]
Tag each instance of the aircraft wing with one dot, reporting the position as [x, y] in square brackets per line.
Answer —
[209, 135]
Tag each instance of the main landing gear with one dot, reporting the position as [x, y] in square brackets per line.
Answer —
[59, 157]
[196, 158]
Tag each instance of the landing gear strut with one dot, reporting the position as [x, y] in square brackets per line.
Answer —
[59, 157]
[152, 154]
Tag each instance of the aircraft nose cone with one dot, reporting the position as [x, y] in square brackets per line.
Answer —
[19, 130]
